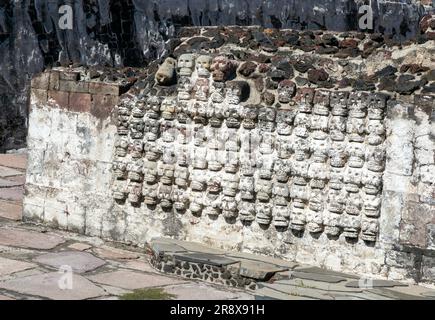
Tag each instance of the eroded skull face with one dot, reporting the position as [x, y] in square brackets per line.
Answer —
[229, 207]
[282, 170]
[203, 66]
[281, 216]
[222, 68]
[263, 188]
[152, 129]
[351, 226]
[119, 190]
[137, 127]
[230, 184]
[201, 89]
[218, 92]
[247, 188]
[134, 192]
[284, 120]
[352, 179]
[186, 63]
[304, 98]
[336, 201]
[184, 88]
[236, 91]
[266, 119]
[150, 172]
[357, 104]
[150, 193]
[337, 128]
[135, 171]
[377, 105]
[286, 90]
[138, 109]
[250, 114]
[165, 196]
[372, 182]
[152, 107]
[372, 206]
[168, 108]
[246, 211]
[376, 131]
[298, 218]
[376, 160]
[321, 102]
[353, 204]
[180, 198]
[121, 147]
[119, 170]
[280, 193]
[370, 229]
[264, 213]
[339, 103]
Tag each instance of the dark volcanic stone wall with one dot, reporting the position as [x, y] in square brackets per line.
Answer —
[132, 32]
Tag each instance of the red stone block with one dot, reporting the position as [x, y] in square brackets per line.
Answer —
[58, 98]
[80, 102]
[74, 86]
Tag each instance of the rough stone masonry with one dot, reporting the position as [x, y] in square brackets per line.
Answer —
[311, 146]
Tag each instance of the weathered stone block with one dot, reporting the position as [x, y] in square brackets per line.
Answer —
[54, 80]
[58, 98]
[428, 269]
[41, 81]
[80, 102]
[104, 88]
[69, 75]
[73, 86]
[102, 105]
[39, 96]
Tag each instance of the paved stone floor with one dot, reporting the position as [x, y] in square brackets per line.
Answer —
[38, 263]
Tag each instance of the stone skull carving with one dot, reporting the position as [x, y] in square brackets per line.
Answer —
[339, 103]
[376, 132]
[284, 119]
[121, 147]
[250, 115]
[304, 99]
[186, 62]
[223, 68]
[351, 226]
[247, 188]
[152, 107]
[203, 66]
[180, 198]
[184, 88]
[150, 172]
[119, 190]
[280, 193]
[167, 108]
[286, 90]
[201, 89]
[370, 229]
[229, 207]
[246, 211]
[150, 193]
[134, 192]
[135, 171]
[281, 216]
[266, 119]
[236, 92]
[264, 213]
[119, 170]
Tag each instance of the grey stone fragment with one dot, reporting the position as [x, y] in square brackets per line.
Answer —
[376, 283]
[395, 295]
[317, 277]
[206, 258]
[50, 285]
[181, 246]
[429, 294]
[4, 183]
[80, 262]
[29, 239]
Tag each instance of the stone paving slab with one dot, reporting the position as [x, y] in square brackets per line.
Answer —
[324, 286]
[12, 194]
[316, 277]
[199, 291]
[80, 262]
[9, 266]
[395, 295]
[17, 161]
[131, 280]
[270, 294]
[297, 291]
[9, 172]
[206, 258]
[139, 265]
[326, 272]
[79, 246]
[29, 239]
[47, 286]
[377, 284]
[10, 210]
[4, 298]
[107, 252]
[21, 180]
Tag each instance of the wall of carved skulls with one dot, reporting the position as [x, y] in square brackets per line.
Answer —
[248, 149]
